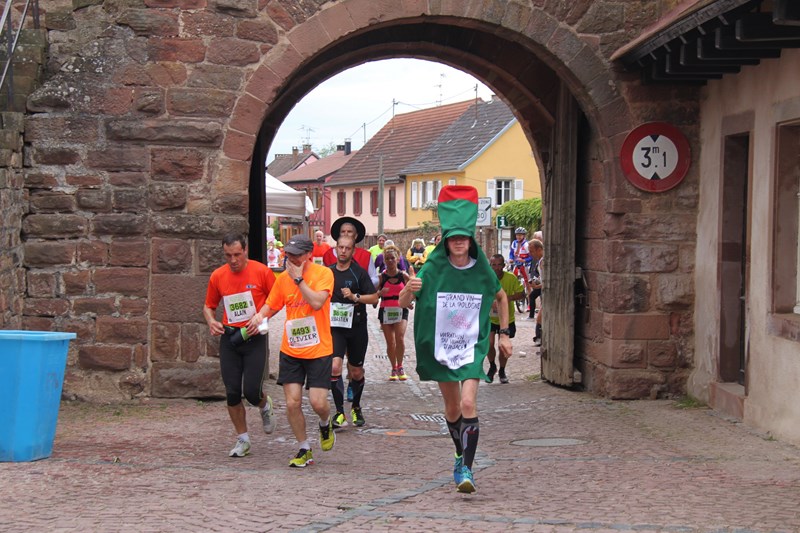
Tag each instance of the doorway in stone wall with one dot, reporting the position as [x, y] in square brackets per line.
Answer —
[735, 258]
[543, 100]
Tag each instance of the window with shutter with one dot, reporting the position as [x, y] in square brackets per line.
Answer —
[414, 202]
[518, 189]
[490, 186]
[341, 203]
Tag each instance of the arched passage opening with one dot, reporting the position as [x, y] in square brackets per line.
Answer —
[553, 105]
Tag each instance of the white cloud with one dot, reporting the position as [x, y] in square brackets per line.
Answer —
[340, 106]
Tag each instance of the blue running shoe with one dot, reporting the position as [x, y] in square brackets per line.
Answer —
[459, 464]
[467, 484]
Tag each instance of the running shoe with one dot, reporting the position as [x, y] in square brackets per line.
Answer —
[268, 416]
[393, 376]
[537, 341]
[502, 374]
[467, 484]
[241, 449]
[327, 437]
[358, 418]
[491, 372]
[339, 421]
[302, 459]
[349, 391]
[457, 467]
[401, 375]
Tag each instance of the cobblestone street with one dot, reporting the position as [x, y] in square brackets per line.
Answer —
[549, 459]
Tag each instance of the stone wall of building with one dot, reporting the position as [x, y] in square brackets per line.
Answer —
[137, 160]
[12, 205]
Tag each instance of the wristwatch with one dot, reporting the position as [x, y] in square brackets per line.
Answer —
[358, 297]
[298, 281]
[504, 331]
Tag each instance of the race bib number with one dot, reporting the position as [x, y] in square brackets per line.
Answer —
[302, 332]
[342, 315]
[493, 311]
[317, 260]
[239, 307]
[392, 315]
[457, 318]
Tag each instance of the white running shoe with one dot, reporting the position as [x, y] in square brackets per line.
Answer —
[241, 449]
[268, 416]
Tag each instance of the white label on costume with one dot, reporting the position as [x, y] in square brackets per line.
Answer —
[317, 260]
[342, 315]
[239, 307]
[457, 318]
[392, 315]
[302, 332]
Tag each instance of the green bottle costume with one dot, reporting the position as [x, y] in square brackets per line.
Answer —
[451, 315]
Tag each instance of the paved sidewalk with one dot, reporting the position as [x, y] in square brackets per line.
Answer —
[548, 460]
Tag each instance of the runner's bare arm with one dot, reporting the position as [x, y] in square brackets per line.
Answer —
[316, 299]
[502, 308]
[407, 294]
[214, 325]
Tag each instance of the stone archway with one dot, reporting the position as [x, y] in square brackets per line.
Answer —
[517, 67]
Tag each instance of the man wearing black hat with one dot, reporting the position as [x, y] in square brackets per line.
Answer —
[305, 289]
[354, 228]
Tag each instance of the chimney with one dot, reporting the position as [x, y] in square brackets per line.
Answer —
[295, 155]
[347, 147]
[306, 149]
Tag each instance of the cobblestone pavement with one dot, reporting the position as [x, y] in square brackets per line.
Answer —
[549, 460]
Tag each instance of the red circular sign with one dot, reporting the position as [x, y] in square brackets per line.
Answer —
[655, 156]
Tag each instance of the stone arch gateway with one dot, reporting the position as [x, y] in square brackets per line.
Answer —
[144, 145]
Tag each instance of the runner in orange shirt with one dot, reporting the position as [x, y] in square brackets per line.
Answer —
[320, 247]
[305, 289]
[243, 285]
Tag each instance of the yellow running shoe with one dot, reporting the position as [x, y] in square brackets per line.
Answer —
[339, 421]
[327, 436]
[358, 418]
[302, 459]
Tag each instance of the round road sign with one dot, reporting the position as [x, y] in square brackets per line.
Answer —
[655, 156]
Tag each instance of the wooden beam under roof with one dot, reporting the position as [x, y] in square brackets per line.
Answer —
[761, 27]
[786, 12]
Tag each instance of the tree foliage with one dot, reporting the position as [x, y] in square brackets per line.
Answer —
[327, 150]
[525, 213]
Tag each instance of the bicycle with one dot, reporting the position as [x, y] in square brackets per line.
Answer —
[518, 269]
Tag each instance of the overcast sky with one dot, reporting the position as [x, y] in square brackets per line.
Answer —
[339, 107]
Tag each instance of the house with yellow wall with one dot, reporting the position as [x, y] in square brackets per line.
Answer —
[486, 148]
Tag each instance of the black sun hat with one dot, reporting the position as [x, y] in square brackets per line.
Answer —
[336, 227]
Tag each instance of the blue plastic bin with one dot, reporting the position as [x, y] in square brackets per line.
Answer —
[32, 365]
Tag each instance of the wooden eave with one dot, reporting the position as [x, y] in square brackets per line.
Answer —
[702, 40]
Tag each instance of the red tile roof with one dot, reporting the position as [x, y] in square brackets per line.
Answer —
[318, 170]
[400, 142]
[284, 163]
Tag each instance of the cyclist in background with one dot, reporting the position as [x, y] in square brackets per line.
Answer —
[519, 256]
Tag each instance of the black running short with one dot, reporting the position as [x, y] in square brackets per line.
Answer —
[311, 372]
[512, 328]
[351, 341]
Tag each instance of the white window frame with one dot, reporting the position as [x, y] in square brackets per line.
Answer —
[508, 188]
